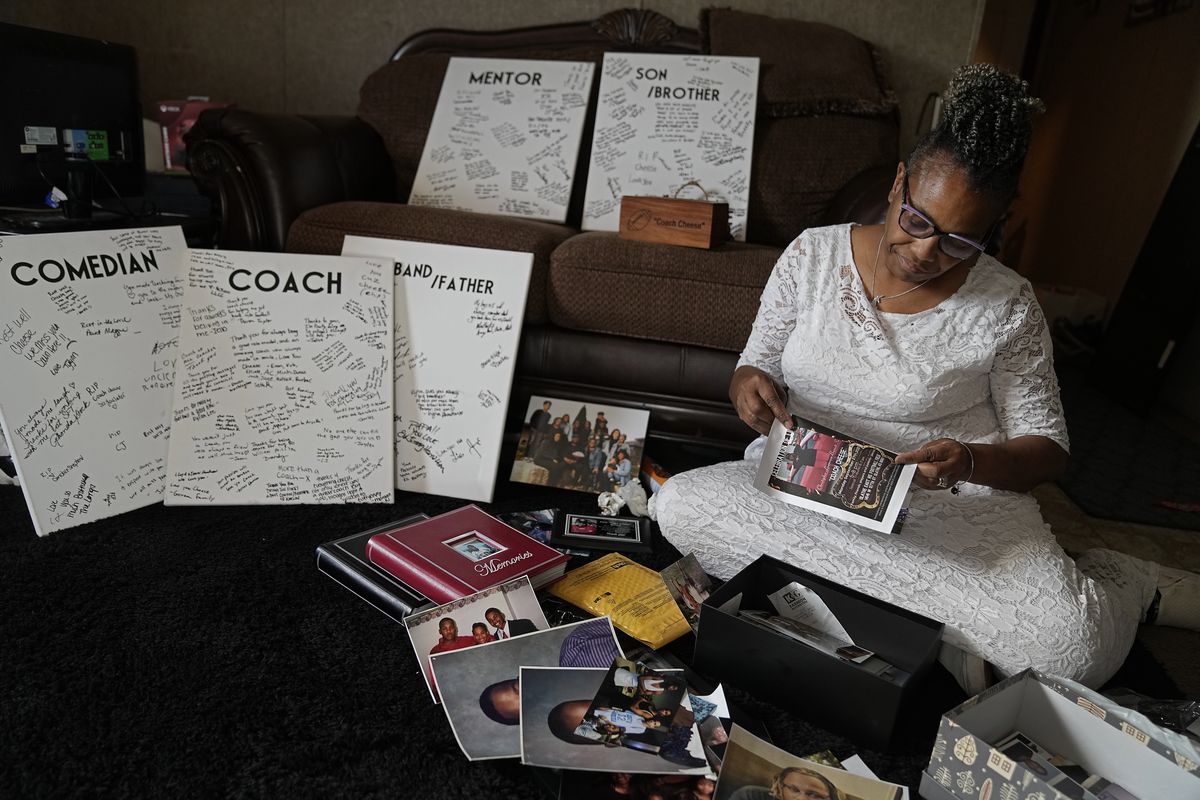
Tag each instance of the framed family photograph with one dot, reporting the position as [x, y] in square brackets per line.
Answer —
[597, 532]
[574, 445]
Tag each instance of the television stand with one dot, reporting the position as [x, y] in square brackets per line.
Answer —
[198, 229]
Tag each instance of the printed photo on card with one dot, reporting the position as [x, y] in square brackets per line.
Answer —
[555, 732]
[690, 585]
[499, 612]
[754, 768]
[480, 686]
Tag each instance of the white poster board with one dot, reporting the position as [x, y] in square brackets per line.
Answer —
[89, 326]
[505, 137]
[282, 393]
[458, 323]
[665, 120]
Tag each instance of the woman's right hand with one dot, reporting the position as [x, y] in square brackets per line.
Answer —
[758, 399]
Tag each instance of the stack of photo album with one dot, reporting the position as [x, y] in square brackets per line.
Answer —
[566, 696]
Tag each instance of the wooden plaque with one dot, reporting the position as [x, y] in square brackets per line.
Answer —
[669, 220]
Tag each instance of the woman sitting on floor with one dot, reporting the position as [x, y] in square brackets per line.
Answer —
[907, 335]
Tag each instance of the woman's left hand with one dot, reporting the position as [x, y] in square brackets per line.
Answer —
[940, 463]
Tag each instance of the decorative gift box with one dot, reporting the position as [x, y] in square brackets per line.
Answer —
[1076, 725]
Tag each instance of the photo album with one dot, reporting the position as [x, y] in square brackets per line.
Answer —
[462, 552]
[829, 472]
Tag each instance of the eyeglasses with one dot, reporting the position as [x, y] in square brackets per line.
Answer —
[919, 226]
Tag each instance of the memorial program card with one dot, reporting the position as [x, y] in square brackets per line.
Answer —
[505, 137]
[823, 470]
[283, 393]
[89, 324]
[666, 120]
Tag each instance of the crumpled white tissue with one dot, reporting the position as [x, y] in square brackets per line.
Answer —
[610, 503]
[635, 497]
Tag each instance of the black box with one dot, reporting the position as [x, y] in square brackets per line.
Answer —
[838, 695]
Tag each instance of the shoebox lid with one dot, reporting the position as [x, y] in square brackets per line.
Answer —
[1063, 718]
[836, 694]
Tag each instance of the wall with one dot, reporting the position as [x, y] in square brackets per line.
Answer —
[305, 56]
[1122, 104]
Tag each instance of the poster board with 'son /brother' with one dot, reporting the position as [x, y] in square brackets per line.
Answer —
[664, 121]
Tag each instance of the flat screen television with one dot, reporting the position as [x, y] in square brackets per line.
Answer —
[63, 98]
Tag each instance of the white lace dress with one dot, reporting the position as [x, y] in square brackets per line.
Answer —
[977, 368]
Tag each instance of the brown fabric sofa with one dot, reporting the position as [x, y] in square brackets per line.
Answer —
[608, 320]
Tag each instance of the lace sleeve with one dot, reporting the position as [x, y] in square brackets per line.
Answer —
[1024, 386]
[776, 314]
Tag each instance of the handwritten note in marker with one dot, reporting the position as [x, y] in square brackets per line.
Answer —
[664, 120]
[505, 137]
[88, 343]
[458, 323]
[284, 386]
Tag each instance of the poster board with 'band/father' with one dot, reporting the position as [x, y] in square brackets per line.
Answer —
[457, 326]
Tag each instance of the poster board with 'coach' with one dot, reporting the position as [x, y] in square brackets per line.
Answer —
[666, 120]
[458, 323]
[505, 137]
[89, 327]
[283, 392]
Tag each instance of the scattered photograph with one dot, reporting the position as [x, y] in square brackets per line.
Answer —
[498, 612]
[537, 524]
[480, 686]
[755, 769]
[555, 734]
[597, 532]
[636, 704]
[569, 445]
[690, 585]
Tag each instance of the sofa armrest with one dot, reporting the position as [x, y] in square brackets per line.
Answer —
[264, 170]
[864, 199]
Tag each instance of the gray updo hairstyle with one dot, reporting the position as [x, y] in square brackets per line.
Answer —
[986, 125]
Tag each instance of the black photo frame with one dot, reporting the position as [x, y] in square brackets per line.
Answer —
[599, 532]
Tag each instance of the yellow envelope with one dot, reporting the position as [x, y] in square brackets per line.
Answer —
[634, 596]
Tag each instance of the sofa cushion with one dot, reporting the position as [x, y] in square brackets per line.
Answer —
[321, 230]
[604, 284]
[825, 114]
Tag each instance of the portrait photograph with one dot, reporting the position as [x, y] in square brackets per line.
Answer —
[468, 622]
[554, 732]
[474, 546]
[753, 769]
[480, 686]
[690, 585]
[584, 447]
